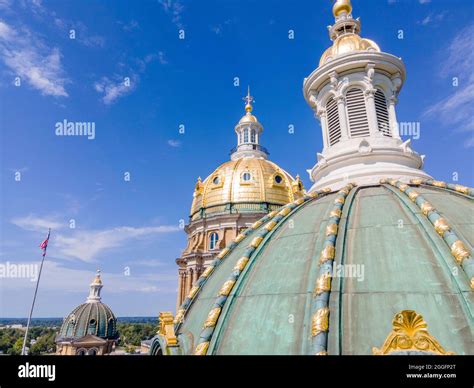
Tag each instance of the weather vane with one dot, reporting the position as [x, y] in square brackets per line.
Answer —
[248, 98]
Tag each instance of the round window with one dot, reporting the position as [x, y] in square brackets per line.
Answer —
[216, 180]
[246, 176]
[92, 322]
[278, 179]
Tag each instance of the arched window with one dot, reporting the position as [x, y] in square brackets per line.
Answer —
[357, 113]
[253, 136]
[238, 138]
[334, 127]
[81, 352]
[92, 352]
[383, 122]
[213, 239]
[246, 135]
[246, 176]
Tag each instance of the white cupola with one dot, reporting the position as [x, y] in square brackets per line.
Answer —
[248, 131]
[353, 93]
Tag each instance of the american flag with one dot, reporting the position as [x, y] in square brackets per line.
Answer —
[44, 244]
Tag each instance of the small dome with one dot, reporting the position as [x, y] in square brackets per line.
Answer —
[248, 118]
[245, 180]
[92, 317]
[341, 6]
[348, 43]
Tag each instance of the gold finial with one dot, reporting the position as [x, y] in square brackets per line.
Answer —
[341, 6]
[248, 99]
[97, 279]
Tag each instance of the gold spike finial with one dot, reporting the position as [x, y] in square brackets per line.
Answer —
[248, 100]
[341, 6]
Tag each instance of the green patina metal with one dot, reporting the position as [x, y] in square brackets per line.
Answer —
[407, 265]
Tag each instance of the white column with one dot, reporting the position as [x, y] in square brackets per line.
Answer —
[371, 114]
[341, 110]
[392, 115]
[322, 114]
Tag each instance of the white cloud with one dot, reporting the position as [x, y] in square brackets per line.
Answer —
[87, 245]
[174, 143]
[161, 58]
[38, 224]
[175, 9]
[28, 57]
[117, 86]
[424, 1]
[456, 109]
[432, 18]
[111, 90]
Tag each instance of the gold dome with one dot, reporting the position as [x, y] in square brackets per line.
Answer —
[245, 180]
[341, 6]
[248, 118]
[348, 43]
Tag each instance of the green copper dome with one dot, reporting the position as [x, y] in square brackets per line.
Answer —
[92, 317]
[329, 272]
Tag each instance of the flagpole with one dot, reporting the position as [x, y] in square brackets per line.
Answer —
[23, 349]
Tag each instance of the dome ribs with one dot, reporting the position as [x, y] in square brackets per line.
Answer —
[459, 251]
[320, 303]
[467, 191]
[244, 264]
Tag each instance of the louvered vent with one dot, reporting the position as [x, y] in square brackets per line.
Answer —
[334, 127]
[357, 114]
[383, 122]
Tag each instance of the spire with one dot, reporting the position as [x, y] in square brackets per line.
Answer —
[95, 287]
[248, 100]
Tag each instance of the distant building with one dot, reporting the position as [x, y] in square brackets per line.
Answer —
[90, 329]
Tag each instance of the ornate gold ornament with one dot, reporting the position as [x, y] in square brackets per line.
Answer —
[256, 241]
[193, 292]
[382, 181]
[426, 207]
[240, 265]
[207, 272]
[166, 328]
[393, 182]
[403, 187]
[299, 201]
[326, 190]
[323, 284]
[413, 195]
[212, 317]
[439, 184]
[410, 333]
[327, 254]
[331, 229]
[322, 353]
[285, 211]
[417, 181]
[201, 349]
[459, 251]
[179, 316]
[339, 200]
[461, 189]
[239, 237]
[320, 321]
[441, 226]
[222, 253]
[472, 282]
[256, 224]
[335, 213]
[272, 214]
[269, 226]
[227, 288]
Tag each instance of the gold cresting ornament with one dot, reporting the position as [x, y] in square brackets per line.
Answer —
[331, 229]
[416, 181]
[326, 254]
[226, 288]
[207, 272]
[269, 226]
[323, 284]
[413, 195]
[239, 237]
[426, 207]
[335, 213]
[179, 316]
[461, 189]
[222, 253]
[439, 184]
[166, 328]
[459, 251]
[212, 317]
[320, 321]
[256, 242]
[241, 263]
[410, 333]
[441, 226]
[201, 349]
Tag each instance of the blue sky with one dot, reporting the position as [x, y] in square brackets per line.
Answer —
[134, 225]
